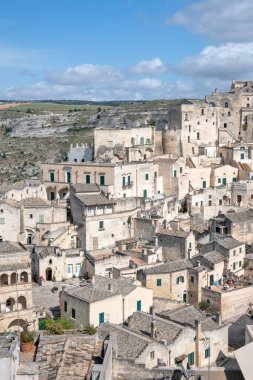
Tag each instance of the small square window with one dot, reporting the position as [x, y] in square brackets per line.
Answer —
[146, 176]
[159, 282]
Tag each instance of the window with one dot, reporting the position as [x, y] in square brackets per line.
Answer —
[234, 179]
[174, 173]
[146, 176]
[242, 156]
[225, 125]
[29, 239]
[159, 282]
[68, 174]
[31, 216]
[73, 313]
[229, 113]
[189, 139]
[87, 178]
[240, 250]
[207, 353]
[226, 105]
[52, 195]
[2, 221]
[190, 245]
[211, 280]
[138, 305]
[152, 355]
[70, 269]
[204, 185]
[65, 306]
[181, 169]
[209, 203]
[220, 202]
[155, 174]
[180, 280]
[234, 252]
[202, 111]
[78, 269]
[198, 136]
[186, 117]
[224, 181]
[192, 279]
[129, 180]
[142, 140]
[234, 266]
[240, 264]
[41, 218]
[191, 358]
[50, 261]
[132, 141]
[102, 180]
[219, 180]
[101, 318]
[101, 225]
[145, 193]
[123, 181]
[148, 141]
[52, 177]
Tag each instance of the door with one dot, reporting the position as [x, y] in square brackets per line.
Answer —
[138, 305]
[49, 274]
[102, 180]
[204, 184]
[145, 193]
[87, 178]
[101, 318]
[224, 181]
[211, 280]
[68, 177]
[70, 270]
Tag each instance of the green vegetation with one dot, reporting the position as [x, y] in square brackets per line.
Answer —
[88, 329]
[27, 336]
[56, 327]
[245, 264]
[203, 305]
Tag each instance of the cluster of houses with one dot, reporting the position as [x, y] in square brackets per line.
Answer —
[157, 225]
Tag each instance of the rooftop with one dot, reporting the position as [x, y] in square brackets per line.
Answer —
[101, 288]
[86, 188]
[173, 266]
[229, 243]
[28, 203]
[94, 199]
[9, 246]
[175, 233]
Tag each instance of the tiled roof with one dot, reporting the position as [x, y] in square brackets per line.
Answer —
[239, 216]
[129, 343]
[7, 246]
[86, 188]
[165, 330]
[28, 203]
[103, 287]
[174, 233]
[173, 266]
[186, 315]
[229, 243]
[5, 187]
[94, 199]
[213, 256]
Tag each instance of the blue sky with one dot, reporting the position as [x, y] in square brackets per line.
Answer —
[123, 49]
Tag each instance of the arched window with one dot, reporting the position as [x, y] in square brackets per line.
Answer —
[148, 141]
[226, 105]
[21, 302]
[4, 279]
[50, 261]
[14, 278]
[10, 304]
[180, 280]
[24, 277]
[142, 140]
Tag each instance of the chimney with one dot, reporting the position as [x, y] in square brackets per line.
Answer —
[152, 310]
[153, 329]
[218, 319]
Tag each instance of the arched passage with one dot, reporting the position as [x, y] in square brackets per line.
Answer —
[4, 279]
[21, 302]
[17, 325]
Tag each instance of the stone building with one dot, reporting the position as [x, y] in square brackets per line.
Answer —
[80, 153]
[103, 300]
[169, 280]
[176, 244]
[28, 219]
[56, 264]
[16, 288]
[237, 224]
[242, 194]
[21, 190]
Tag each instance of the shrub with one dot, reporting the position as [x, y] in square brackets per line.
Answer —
[203, 305]
[27, 336]
[88, 329]
[57, 327]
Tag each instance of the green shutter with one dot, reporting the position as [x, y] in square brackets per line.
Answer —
[159, 282]
[234, 179]
[204, 185]
[123, 181]
[191, 358]
[138, 305]
[145, 193]
[87, 178]
[207, 353]
[102, 180]
[52, 177]
[224, 181]
[101, 318]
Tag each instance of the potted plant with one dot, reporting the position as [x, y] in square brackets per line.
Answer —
[26, 341]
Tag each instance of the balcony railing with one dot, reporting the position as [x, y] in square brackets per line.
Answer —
[127, 185]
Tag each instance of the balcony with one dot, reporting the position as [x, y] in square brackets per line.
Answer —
[127, 185]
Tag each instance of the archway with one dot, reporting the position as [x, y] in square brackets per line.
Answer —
[21, 302]
[10, 303]
[49, 274]
[4, 279]
[63, 193]
[14, 278]
[24, 277]
[51, 195]
[17, 325]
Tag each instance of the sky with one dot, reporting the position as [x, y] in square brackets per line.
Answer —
[123, 49]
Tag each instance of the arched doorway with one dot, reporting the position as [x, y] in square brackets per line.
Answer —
[24, 277]
[17, 325]
[14, 278]
[49, 274]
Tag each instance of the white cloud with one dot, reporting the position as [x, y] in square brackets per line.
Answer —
[153, 66]
[144, 83]
[85, 74]
[229, 61]
[224, 20]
